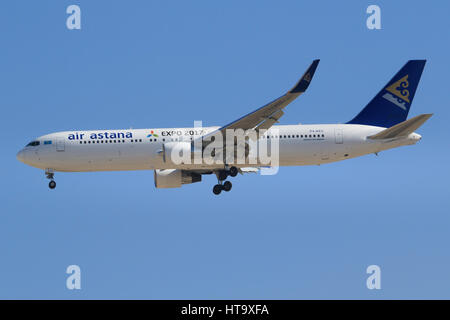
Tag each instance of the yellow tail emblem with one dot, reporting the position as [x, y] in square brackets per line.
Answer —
[399, 88]
[307, 77]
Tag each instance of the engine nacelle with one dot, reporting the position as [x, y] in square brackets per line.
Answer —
[174, 178]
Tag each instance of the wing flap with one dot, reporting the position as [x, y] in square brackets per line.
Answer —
[270, 121]
[248, 170]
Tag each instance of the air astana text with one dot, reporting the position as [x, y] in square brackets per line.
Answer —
[101, 135]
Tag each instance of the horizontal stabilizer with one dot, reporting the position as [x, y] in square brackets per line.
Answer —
[403, 128]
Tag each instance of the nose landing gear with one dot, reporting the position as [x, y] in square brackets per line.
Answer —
[52, 184]
[50, 175]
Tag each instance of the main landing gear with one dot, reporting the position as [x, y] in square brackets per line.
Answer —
[50, 175]
[223, 175]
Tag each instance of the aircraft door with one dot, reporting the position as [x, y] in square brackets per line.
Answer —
[60, 144]
[339, 136]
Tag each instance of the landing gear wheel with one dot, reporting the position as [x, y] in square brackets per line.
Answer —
[52, 184]
[217, 189]
[227, 186]
[233, 171]
[223, 175]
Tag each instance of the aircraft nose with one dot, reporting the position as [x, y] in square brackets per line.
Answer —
[21, 156]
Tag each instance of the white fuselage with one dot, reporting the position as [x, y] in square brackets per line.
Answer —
[139, 149]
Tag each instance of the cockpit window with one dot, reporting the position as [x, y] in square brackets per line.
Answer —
[33, 144]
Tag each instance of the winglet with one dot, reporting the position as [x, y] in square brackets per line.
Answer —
[305, 80]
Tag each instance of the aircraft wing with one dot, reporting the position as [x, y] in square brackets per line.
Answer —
[266, 116]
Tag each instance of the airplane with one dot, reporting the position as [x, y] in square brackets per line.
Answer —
[381, 125]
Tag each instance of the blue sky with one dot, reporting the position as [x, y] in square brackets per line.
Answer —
[307, 232]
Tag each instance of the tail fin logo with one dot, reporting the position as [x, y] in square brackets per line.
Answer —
[399, 89]
[307, 77]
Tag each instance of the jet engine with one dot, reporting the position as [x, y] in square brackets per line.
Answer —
[174, 178]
